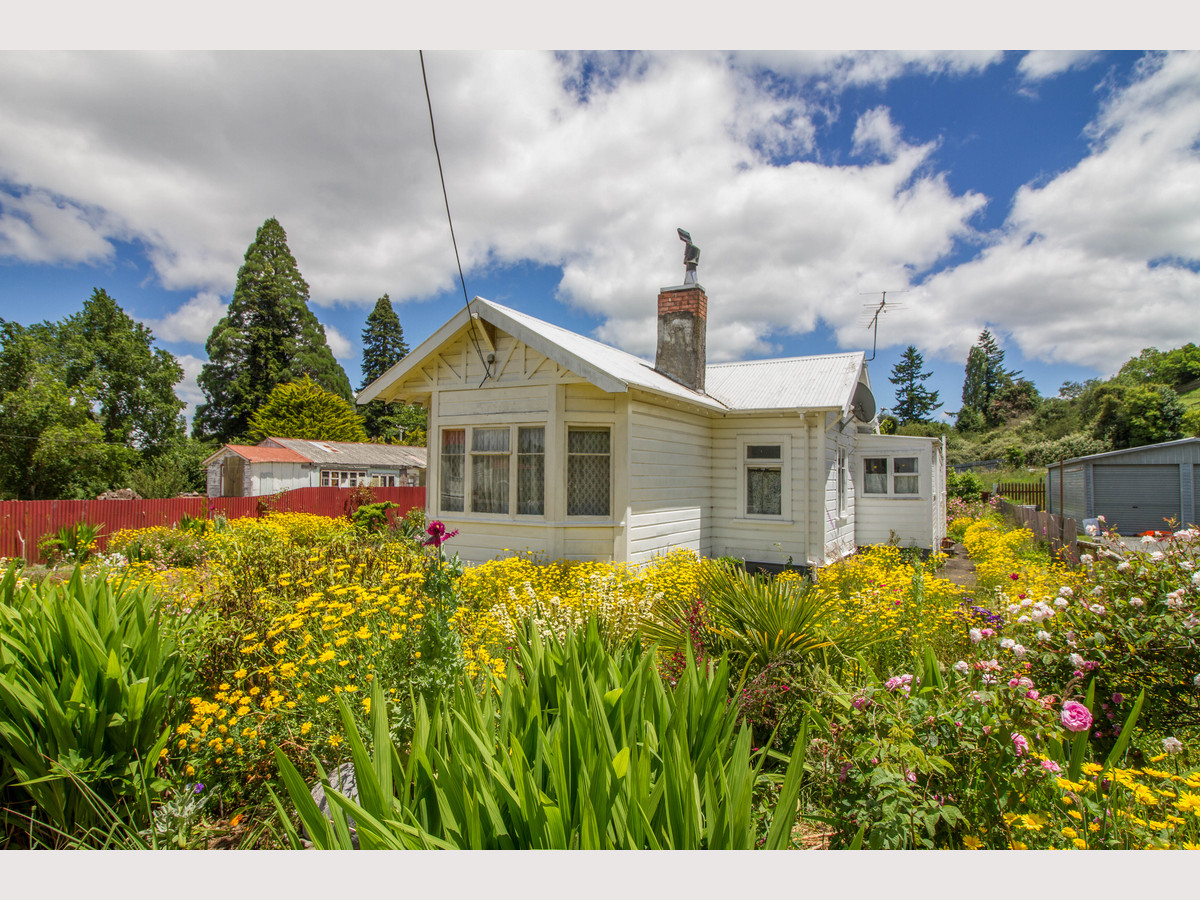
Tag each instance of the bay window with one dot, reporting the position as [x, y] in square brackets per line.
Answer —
[489, 478]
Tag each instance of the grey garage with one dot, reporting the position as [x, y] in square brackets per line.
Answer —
[1136, 490]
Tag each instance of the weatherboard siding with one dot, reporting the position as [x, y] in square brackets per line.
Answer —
[670, 483]
[760, 540]
[838, 526]
[880, 519]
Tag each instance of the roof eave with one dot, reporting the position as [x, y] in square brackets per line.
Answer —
[414, 359]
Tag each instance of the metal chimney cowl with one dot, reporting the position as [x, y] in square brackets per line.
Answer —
[682, 334]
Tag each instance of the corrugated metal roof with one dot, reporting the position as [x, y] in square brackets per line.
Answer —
[812, 382]
[626, 368]
[1171, 452]
[259, 453]
[802, 382]
[341, 454]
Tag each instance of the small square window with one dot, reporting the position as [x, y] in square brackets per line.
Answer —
[906, 480]
[875, 472]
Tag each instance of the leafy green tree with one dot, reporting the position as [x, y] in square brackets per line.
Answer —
[1136, 415]
[914, 401]
[383, 347]
[985, 376]
[1014, 400]
[1191, 422]
[303, 409]
[268, 337]
[968, 420]
[177, 470]
[111, 358]
[81, 401]
[1175, 367]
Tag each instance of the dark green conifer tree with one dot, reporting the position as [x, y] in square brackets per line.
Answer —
[383, 347]
[914, 401]
[268, 337]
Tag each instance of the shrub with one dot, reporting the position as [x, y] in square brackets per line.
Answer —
[70, 544]
[897, 602]
[179, 547]
[758, 621]
[502, 594]
[966, 486]
[923, 760]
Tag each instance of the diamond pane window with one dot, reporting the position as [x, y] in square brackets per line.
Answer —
[588, 472]
[764, 492]
[531, 471]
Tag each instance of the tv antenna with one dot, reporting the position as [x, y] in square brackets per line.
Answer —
[876, 310]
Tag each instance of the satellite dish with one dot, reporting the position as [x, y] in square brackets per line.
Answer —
[863, 406]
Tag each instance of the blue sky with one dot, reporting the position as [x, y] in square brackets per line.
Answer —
[1053, 197]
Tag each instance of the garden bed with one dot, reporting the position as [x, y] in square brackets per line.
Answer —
[885, 705]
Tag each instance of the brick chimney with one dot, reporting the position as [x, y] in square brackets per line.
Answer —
[682, 329]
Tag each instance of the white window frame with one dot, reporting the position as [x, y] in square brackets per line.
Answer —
[891, 475]
[468, 471]
[783, 464]
[345, 477]
[384, 479]
[843, 483]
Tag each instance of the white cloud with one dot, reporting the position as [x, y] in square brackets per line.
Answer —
[188, 153]
[36, 226]
[194, 321]
[187, 389]
[194, 150]
[1097, 263]
[875, 132]
[338, 344]
[1037, 65]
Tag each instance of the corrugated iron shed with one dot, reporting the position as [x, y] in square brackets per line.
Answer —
[342, 454]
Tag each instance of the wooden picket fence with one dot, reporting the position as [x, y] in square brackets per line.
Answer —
[1022, 493]
[1061, 534]
[25, 522]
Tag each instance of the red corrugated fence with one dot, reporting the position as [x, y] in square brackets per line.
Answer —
[24, 522]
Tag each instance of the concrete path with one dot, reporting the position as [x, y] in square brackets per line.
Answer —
[958, 568]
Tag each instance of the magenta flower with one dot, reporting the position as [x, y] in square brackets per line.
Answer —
[1075, 716]
[438, 534]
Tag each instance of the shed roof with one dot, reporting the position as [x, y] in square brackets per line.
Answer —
[813, 382]
[342, 453]
[1165, 449]
[259, 453]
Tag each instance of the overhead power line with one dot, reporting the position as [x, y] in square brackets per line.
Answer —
[445, 197]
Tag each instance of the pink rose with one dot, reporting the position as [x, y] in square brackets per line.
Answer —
[1020, 744]
[1051, 766]
[1075, 716]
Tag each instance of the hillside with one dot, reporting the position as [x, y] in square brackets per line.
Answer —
[1154, 397]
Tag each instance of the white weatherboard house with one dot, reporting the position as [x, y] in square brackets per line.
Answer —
[541, 439]
[284, 464]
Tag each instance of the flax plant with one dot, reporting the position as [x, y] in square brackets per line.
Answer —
[583, 749]
[87, 680]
